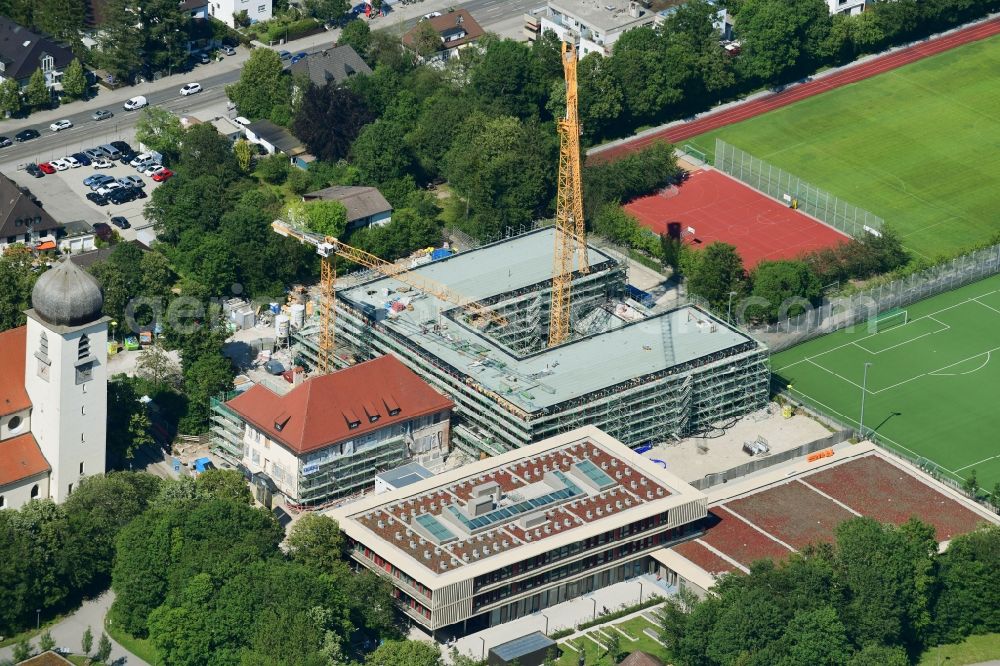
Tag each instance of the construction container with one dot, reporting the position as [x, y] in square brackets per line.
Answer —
[298, 315]
[281, 326]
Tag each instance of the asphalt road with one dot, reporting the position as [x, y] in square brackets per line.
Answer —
[501, 15]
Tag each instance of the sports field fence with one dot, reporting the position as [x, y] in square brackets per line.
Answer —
[840, 312]
[793, 191]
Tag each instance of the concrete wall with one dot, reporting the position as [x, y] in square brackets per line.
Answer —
[16, 495]
[23, 424]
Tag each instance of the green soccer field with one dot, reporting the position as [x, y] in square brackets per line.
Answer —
[918, 146]
[933, 386]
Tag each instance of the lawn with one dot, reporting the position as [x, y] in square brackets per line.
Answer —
[973, 650]
[595, 654]
[931, 385]
[918, 146]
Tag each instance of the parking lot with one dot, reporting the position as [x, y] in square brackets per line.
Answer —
[63, 193]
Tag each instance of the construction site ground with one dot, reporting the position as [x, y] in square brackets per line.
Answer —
[686, 460]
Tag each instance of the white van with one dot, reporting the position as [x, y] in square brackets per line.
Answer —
[135, 103]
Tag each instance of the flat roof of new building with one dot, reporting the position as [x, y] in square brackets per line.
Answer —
[602, 14]
[405, 475]
[551, 376]
[482, 516]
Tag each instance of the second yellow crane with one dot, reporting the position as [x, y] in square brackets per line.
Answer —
[571, 235]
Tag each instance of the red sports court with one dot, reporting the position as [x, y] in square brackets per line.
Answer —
[720, 208]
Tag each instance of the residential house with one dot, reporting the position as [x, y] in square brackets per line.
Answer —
[366, 207]
[21, 219]
[457, 30]
[849, 7]
[79, 237]
[593, 26]
[277, 139]
[23, 51]
[226, 10]
[197, 9]
[330, 435]
[337, 65]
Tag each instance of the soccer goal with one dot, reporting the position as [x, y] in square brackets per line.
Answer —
[887, 320]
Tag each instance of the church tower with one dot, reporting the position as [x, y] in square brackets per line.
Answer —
[65, 375]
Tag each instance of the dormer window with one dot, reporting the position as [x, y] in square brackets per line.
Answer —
[48, 63]
[281, 421]
[83, 348]
[351, 425]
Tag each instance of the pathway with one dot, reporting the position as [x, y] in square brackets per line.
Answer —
[69, 632]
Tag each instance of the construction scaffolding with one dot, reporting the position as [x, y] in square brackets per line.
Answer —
[642, 378]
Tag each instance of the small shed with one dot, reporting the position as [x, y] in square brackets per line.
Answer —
[529, 650]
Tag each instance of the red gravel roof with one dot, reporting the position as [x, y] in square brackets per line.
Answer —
[13, 397]
[20, 458]
[319, 412]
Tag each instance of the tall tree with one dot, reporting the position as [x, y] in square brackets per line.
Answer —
[18, 278]
[357, 35]
[326, 10]
[262, 85]
[316, 542]
[780, 37]
[10, 97]
[329, 120]
[37, 93]
[381, 153]
[122, 46]
[160, 130]
[718, 273]
[785, 288]
[164, 29]
[63, 19]
[405, 653]
[74, 80]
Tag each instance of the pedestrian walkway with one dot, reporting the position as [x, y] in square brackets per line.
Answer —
[567, 614]
[69, 632]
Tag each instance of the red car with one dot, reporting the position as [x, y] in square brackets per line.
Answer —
[46, 167]
[161, 176]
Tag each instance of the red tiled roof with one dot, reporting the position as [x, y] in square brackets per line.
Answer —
[13, 397]
[317, 413]
[447, 24]
[20, 458]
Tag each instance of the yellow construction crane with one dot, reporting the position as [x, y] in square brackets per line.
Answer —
[570, 232]
[328, 248]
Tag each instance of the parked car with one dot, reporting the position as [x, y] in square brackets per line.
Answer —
[140, 158]
[103, 231]
[73, 164]
[46, 167]
[136, 102]
[103, 163]
[162, 175]
[204, 58]
[99, 180]
[126, 194]
[94, 153]
[128, 157]
[146, 164]
[112, 152]
[60, 165]
[60, 125]
[109, 187]
[122, 146]
[284, 55]
[153, 169]
[432, 15]
[229, 50]
[190, 89]
[26, 135]
[34, 170]
[97, 198]
[95, 177]
[103, 114]
[132, 181]
[84, 160]
[120, 222]
[299, 56]
[4, 142]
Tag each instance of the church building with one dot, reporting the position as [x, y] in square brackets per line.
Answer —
[54, 390]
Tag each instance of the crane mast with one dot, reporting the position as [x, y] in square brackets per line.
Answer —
[570, 237]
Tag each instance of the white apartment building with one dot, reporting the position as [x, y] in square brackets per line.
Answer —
[226, 10]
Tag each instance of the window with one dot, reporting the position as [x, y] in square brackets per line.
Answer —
[83, 348]
[1, 501]
[83, 410]
[48, 63]
[14, 423]
[69, 490]
[261, 9]
[43, 345]
[84, 372]
[34, 491]
[81, 469]
[83, 439]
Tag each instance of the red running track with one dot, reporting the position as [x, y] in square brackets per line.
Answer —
[843, 77]
[720, 208]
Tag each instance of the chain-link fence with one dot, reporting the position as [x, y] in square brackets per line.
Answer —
[794, 191]
[837, 313]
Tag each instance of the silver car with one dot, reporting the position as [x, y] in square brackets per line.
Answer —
[103, 114]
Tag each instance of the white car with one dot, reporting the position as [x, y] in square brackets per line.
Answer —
[140, 158]
[110, 187]
[153, 169]
[73, 162]
[136, 102]
[190, 89]
[102, 163]
[240, 120]
[60, 165]
[432, 15]
[60, 125]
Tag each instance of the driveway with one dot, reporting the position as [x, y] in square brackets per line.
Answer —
[69, 632]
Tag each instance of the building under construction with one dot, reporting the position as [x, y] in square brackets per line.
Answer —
[639, 376]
